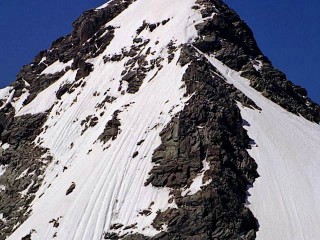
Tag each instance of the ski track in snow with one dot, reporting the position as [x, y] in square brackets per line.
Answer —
[285, 198]
[109, 181]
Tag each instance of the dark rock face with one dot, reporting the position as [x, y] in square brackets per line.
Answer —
[112, 129]
[24, 163]
[208, 129]
[232, 42]
[89, 38]
[83, 67]
[71, 188]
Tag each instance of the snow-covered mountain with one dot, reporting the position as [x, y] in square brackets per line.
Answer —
[158, 119]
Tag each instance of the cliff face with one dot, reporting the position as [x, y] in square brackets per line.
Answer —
[134, 126]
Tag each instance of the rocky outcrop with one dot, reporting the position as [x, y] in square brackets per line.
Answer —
[24, 163]
[208, 129]
[112, 129]
[89, 38]
[229, 38]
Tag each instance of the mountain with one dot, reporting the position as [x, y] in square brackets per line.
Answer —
[158, 119]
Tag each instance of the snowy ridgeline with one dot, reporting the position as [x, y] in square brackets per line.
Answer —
[285, 198]
[108, 178]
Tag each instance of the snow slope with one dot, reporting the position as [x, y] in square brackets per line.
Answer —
[109, 179]
[285, 198]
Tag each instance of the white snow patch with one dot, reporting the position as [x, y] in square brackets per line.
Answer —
[26, 83]
[104, 5]
[23, 174]
[5, 146]
[257, 64]
[8, 95]
[18, 102]
[56, 67]
[180, 28]
[1, 216]
[285, 198]
[5, 92]
[47, 97]
[198, 181]
[43, 59]
[2, 170]
[24, 192]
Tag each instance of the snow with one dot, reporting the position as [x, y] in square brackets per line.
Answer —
[23, 174]
[18, 103]
[43, 59]
[47, 97]
[104, 5]
[1, 216]
[56, 67]
[2, 170]
[180, 27]
[5, 146]
[198, 181]
[5, 92]
[109, 182]
[257, 64]
[7, 95]
[24, 192]
[285, 198]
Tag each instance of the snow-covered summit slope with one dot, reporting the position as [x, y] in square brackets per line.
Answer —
[131, 127]
[286, 195]
[110, 177]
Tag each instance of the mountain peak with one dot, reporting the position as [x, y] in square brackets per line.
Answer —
[152, 120]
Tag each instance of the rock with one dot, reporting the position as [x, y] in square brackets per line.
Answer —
[222, 141]
[27, 237]
[62, 90]
[129, 76]
[116, 226]
[111, 236]
[140, 142]
[135, 154]
[233, 43]
[152, 27]
[137, 40]
[116, 58]
[112, 129]
[71, 188]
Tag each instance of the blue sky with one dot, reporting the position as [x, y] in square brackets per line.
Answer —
[287, 31]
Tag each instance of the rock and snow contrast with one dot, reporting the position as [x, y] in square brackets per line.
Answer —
[158, 119]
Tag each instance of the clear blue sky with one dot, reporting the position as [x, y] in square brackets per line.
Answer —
[287, 31]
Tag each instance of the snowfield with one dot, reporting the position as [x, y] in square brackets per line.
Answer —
[285, 198]
[109, 179]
